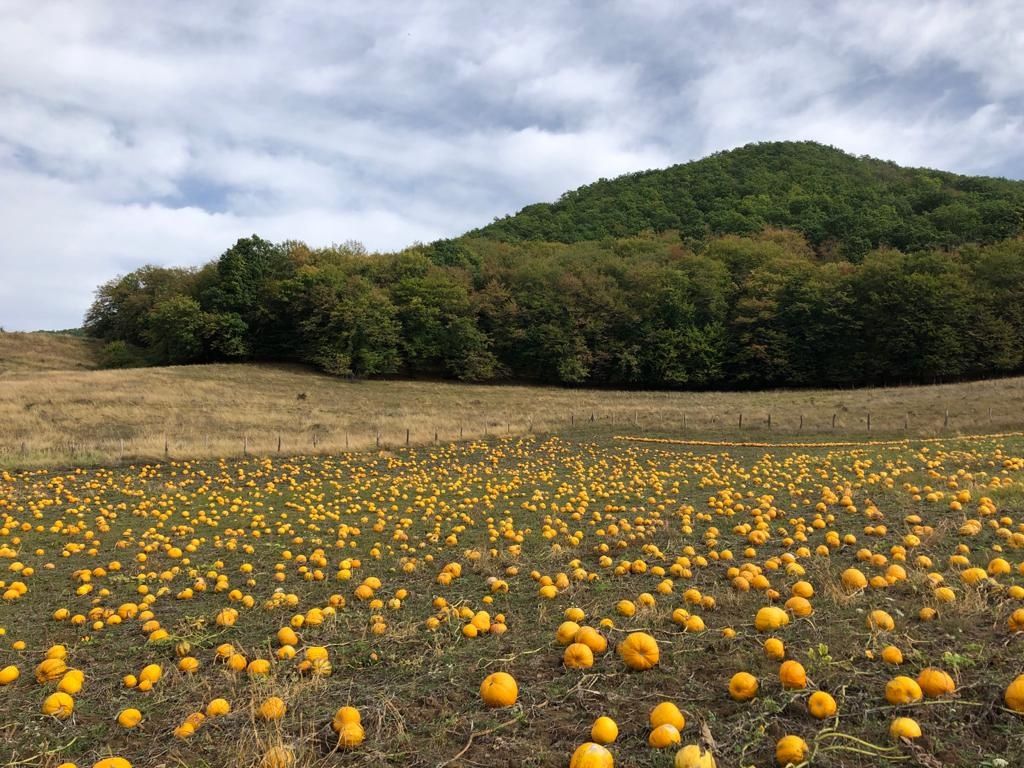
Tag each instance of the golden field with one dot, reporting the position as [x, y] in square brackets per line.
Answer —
[73, 415]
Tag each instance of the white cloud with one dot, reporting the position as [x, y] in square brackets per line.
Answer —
[162, 132]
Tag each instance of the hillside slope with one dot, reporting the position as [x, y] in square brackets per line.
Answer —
[825, 193]
[222, 410]
[33, 352]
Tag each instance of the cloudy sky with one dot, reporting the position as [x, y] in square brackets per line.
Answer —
[135, 133]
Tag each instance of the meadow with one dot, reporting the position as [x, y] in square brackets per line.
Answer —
[55, 412]
[807, 605]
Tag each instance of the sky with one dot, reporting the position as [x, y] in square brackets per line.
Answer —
[159, 133]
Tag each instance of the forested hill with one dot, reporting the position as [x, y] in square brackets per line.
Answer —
[779, 265]
[857, 203]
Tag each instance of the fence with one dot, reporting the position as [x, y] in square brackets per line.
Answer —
[337, 438]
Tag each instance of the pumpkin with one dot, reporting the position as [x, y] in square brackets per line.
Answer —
[129, 718]
[591, 638]
[774, 649]
[665, 735]
[72, 681]
[792, 675]
[1014, 694]
[350, 735]
[499, 689]
[287, 636]
[892, 655]
[188, 664]
[790, 750]
[904, 728]
[9, 674]
[591, 755]
[902, 690]
[770, 618]
[112, 762]
[218, 708]
[639, 651]
[934, 682]
[821, 705]
[272, 708]
[578, 656]
[853, 580]
[605, 730]
[567, 632]
[280, 756]
[152, 673]
[743, 686]
[667, 712]
[692, 756]
[258, 668]
[50, 669]
[880, 621]
[345, 715]
[1016, 620]
[58, 704]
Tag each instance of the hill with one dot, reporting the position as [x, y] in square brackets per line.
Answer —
[40, 351]
[828, 195]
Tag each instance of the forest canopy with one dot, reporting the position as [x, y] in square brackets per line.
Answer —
[773, 265]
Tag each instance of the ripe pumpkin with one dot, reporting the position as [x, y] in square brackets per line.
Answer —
[892, 655]
[578, 656]
[792, 675]
[692, 756]
[218, 708]
[934, 682]
[499, 689]
[821, 705]
[345, 715]
[50, 669]
[567, 632]
[279, 756]
[350, 735]
[665, 735]
[9, 674]
[1014, 695]
[152, 673]
[593, 639]
[743, 686]
[272, 708]
[774, 649]
[188, 664]
[129, 718]
[880, 621]
[591, 755]
[605, 730]
[58, 704]
[667, 712]
[790, 750]
[112, 762]
[770, 618]
[639, 651]
[902, 690]
[904, 728]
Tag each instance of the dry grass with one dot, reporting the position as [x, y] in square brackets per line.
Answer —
[225, 410]
[34, 352]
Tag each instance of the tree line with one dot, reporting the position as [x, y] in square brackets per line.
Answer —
[656, 310]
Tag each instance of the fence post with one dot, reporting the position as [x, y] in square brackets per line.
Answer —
[245, 445]
[906, 422]
[279, 443]
[945, 419]
[833, 422]
[460, 430]
[769, 421]
[406, 437]
[741, 421]
[346, 441]
[572, 419]
[435, 435]
[684, 420]
[801, 427]
[166, 447]
[591, 416]
[636, 418]
[990, 414]
[120, 455]
[378, 438]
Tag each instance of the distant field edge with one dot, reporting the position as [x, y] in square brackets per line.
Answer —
[815, 444]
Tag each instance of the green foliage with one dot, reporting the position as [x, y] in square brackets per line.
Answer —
[832, 198]
[121, 354]
[671, 279]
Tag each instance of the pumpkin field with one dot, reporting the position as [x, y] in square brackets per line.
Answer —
[520, 601]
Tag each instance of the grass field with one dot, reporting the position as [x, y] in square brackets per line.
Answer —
[35, 352]
[55, 417]
[137, 565]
